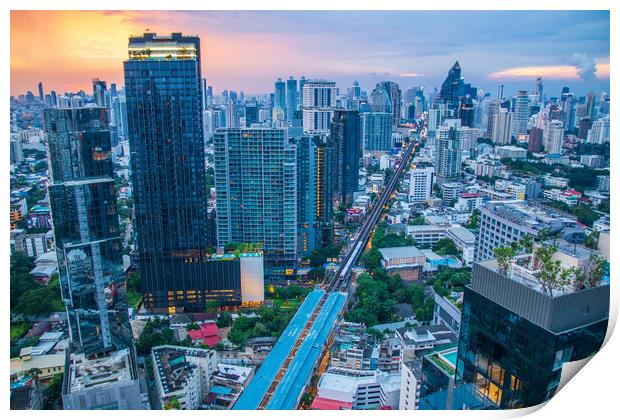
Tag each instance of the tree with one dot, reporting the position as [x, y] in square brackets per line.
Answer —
[212, 306]
[418, 220]
[551, 275]
[134, 282]
[52, 394]
[224, 319]
[472, 223]
[592, 274]
[425, 312]
[446, 246]
[504, 256]
[585, 214]
[372, 259]
[592, 240]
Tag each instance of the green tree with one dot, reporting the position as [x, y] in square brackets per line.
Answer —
[52, 394]
[446, 246]
[224, 319]
[372, 259]
[212, 307]
[585, 214]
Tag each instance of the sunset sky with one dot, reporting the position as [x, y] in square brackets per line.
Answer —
[249, 50]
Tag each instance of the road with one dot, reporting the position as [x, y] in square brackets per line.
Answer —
[340, 280]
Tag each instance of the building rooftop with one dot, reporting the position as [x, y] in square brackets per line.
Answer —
[87, 373]
[463, 234]
[400, 252]
[173, 367]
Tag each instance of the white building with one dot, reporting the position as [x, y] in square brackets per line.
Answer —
[465, 241]
[502, 127]
[319, 102]
[512, 152]
[421, 185]
[182, 375]
[426, 235]
[410, 383]
[599, 133]
[553, 136]
[252, 278]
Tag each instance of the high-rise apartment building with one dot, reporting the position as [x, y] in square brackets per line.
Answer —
[291, 98]
[502, 126]
[376, 131]
[553, 137]
[86, 231]
[319, 102]
[599, 133]
[99, 92]
[314, 193]
[448, 152]
[421, 185]
[232, 114]
[395, 96]
[345, 138]
[162, 85]
[256, 189]
[279, 98]
[521, 113]
[534, 144]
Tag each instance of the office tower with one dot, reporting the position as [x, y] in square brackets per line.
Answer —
[521, 113]
[599, 133]
[466, 112]
[434, 118]
[86, 231]
[539, 91]
[515, 335]
[502, 126]
[380, 101]
[314, 193]
[300, 101]
[99, 92]
[256, 190]
[29, 98]
[16, 152]
[251, 114]
[54, 98]
[421, 185]
[162, 88]
[280, 97]
[395, 96]
[448, 153]
[209, 96]
[291, 98]
[357, 90]
[454, 88]
[494, 108]
[203, 93]
[590, 102]
[534, 144]
[568, 110]
[319, 102]
[469, 137]
[376, 131]
[232, 114]
[41, 96]
[345, 139]
[553, 137]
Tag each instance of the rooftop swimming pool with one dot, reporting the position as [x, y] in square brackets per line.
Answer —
[451, 357]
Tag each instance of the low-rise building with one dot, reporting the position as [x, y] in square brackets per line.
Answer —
[227, 383]
[464, 241]
[406, 261]
[512, 152]
[426, 235]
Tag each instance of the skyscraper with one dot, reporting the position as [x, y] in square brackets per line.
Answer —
[534, 143]
[41, 96]
[448, 152]
[521, 113]
[86, 231]
[421, 185]
[502, 126]
[454, 88]
[553, 137]
[319, 102]
[280, 97]
[395, 95]
[376, 130]
[302, 82]
[314, 192]
[251, 113]
[232, 114]
[99, 92]
[291, 98]
[162, 82]
[345, 139]
[515, 335]
[256, 188]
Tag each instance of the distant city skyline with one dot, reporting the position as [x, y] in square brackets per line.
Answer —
[248, 50]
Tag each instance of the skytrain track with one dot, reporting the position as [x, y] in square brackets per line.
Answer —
[340, 280]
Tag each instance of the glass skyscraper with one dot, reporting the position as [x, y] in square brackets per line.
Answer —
[291, 98]
[514, 338]
[256, 187]
[86, 230]
[345, 139]
[162, 84]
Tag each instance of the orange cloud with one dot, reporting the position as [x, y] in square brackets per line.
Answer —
[410, 75]
[548, 72]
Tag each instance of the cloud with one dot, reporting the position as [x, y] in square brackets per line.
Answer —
[585, 65]
[587, 70]
[411, 75]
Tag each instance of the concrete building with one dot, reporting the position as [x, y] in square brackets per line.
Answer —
[426, 236]
[410, 385]
[406, 261]
[502, 126]
[464, 241]
[182, 375]
[599, 133]
[318, 104]
[512, 152]
[421, 185]
[553, 137]
[447, 313]
[105, 383]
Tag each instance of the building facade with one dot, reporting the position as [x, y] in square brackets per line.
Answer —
[345, 139]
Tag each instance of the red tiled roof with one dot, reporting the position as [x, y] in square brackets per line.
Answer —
[211, 341]
[328, 404]
[195, 334]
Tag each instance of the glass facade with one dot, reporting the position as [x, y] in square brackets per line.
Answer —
[162, 88]
[506, 361]
[256, 187]
[345, 139]
[88, 246]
